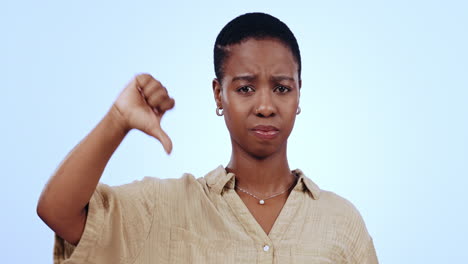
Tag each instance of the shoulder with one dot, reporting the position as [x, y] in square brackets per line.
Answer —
[152, 184]
[348, 225]
[334, 209]
[338, 205]
[175, 189]
[349, 229]
[150, 190]
[185, 182]
[327, 203]
[346, 218]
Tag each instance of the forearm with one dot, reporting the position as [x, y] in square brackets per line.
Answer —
[141, 105]
[69, 190]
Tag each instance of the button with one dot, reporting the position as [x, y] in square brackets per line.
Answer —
[266, 248]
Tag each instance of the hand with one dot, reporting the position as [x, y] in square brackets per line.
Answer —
[142, 104]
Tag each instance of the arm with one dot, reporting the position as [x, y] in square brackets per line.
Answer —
[63, 202]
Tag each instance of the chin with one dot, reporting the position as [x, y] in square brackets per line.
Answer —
[263, 152]
[260, 155]
[260, 150]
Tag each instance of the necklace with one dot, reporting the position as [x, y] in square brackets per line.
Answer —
[260, 200]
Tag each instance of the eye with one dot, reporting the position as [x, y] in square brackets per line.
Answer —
[245, 89]
[282, 89]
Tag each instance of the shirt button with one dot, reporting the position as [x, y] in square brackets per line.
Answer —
[266, 248]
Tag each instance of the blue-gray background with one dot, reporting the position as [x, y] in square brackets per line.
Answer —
[383, 122]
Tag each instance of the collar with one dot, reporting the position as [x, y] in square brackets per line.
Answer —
[218, 180]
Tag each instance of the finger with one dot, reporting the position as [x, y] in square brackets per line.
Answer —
[151, 87]
[156, 98]
[143, 79]
[163, 138]
[166, 104]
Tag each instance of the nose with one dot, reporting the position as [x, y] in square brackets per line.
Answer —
[265, 106]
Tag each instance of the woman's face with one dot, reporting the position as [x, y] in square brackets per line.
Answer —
[259, 95]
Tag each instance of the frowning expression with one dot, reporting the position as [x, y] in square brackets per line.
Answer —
[259, 95]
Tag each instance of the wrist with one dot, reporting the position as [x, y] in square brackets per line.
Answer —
[117, 120]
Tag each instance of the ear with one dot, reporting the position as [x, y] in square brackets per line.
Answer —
[217, 92]
[300, 85]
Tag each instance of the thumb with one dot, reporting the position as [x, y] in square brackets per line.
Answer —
[163, 138]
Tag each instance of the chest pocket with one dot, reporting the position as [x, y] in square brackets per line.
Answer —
[189, 247]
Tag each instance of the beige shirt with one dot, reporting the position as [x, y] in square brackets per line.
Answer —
[189, 220]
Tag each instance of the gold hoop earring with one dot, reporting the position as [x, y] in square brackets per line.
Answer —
[218, 109]
[298, 111]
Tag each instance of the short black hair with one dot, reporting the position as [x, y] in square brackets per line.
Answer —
[256, 26]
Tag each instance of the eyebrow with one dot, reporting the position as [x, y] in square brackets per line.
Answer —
[250, 78]
[280, 78]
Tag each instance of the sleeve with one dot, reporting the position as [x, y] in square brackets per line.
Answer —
[369, 255]
[117, 225]
[361, 245]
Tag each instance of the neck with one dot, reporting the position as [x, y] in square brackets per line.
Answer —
[261, 175]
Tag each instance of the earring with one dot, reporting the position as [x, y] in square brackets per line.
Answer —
[298, 111]
[219, 111]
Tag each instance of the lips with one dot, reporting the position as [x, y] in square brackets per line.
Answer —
[265, 132]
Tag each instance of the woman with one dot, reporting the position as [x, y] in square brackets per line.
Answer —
[254, 210]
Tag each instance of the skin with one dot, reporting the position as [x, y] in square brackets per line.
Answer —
[63, 202]
[260, 165]
[260, 86]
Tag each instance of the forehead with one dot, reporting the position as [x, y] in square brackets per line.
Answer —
[264, 56]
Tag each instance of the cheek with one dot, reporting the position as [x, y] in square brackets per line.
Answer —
[290, 119]
[234, 115]
[289, 115]
[235, 108]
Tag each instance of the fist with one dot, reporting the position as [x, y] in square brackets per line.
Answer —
[142, 104]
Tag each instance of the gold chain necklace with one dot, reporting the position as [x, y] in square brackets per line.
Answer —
[260, 200]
